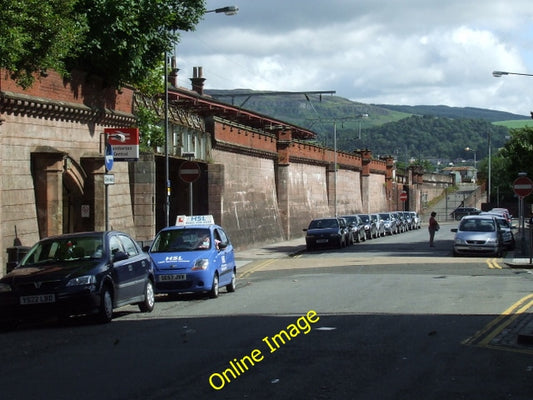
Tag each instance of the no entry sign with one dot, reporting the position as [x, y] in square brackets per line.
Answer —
[189, 171]
[523, 186]
[403, 196]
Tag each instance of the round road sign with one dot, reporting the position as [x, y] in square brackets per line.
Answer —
[109, 157]
[189, 171]
[523, 186]
[403, 196]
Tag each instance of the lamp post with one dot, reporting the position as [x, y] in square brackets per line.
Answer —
[229, 10]
[499, 74]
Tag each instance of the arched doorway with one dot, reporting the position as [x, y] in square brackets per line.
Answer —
[59, 184]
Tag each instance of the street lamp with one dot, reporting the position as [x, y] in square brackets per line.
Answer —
[499, 74]
[229, 10]
[475, 156]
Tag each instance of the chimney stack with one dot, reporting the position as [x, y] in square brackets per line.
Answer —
[173, 73]
[197, 80]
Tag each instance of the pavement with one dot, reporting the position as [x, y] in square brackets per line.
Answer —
[521, 257]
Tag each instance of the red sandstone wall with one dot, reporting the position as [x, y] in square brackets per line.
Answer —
[79, 89]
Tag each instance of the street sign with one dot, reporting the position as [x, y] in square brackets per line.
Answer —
[403, 196]
[109, 157]
[126, 150]
[109, 179]
[189, 171]
[523, 186]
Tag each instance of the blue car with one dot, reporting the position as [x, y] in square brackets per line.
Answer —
[194, 256]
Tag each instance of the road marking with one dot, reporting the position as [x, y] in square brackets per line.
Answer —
[485, 336]
[257, 267]
[493, 264]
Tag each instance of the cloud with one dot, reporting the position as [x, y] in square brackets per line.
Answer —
[399, 52]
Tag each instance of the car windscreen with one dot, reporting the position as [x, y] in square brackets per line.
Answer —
[323, 224]
[188, 239]
[65, 249]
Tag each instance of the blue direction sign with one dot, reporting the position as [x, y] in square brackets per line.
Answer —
[109, 157]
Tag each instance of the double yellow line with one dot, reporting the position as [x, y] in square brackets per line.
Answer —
[493, 264]
[256, 267]
[484, 337]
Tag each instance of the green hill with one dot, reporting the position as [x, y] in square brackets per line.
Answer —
[419, 132]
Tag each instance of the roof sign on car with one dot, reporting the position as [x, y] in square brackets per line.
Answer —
[184, 220]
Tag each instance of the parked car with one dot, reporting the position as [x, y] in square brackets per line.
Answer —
[460, 212]
[380, 224]
[80, 273]
[507, 230]
[195, 256]
[400, 221]
[416, 219]
[504, 212]
[389, 222]
[478, 234]
[356, 227]
[326, 232]
[408, 221]
[369, 226]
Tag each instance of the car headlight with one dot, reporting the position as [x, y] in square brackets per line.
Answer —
[459, 241]
[492, 241]
[4, 288]
[201, 264]
[82, 280]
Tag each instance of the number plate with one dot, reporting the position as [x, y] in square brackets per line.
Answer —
[322, 240]
[173, 277]
[38, 299]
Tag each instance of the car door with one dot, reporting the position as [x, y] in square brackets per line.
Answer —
[137, 266]
[123, 269]
[225, 255]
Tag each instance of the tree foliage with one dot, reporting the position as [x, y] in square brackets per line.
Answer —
[37, 35]
[507, 162]
[122, 41]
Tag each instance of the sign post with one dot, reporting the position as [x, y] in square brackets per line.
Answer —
[189, 172]
[522, 187]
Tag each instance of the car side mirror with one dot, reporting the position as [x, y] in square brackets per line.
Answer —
[222, 246]
[120, 255]
[304, 229]
[454, 229]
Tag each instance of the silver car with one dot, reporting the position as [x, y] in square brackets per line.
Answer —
[478, 235]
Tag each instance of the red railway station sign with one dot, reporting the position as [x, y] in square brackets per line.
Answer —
[189, 171]
[523, 186]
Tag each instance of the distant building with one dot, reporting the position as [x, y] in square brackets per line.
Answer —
[462, 174]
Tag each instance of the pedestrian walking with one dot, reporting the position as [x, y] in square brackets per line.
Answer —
[432, 228]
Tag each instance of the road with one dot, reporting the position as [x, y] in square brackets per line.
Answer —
[390, 318]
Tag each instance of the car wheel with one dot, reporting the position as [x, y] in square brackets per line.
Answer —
[149, 298]
[105, 310]
[232, 285]
[213, 293]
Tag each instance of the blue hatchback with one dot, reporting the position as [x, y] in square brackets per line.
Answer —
[194, 256]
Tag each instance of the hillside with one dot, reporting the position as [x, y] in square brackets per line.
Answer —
[419, 132]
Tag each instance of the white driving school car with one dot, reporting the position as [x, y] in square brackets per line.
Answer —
[196, 255]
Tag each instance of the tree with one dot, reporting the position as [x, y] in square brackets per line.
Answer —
[121, 41]
[37, 35]
[514, 157]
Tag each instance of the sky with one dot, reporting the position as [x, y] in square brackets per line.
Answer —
[409, 52]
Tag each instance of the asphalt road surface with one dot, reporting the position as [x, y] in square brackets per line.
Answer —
[385, 319]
